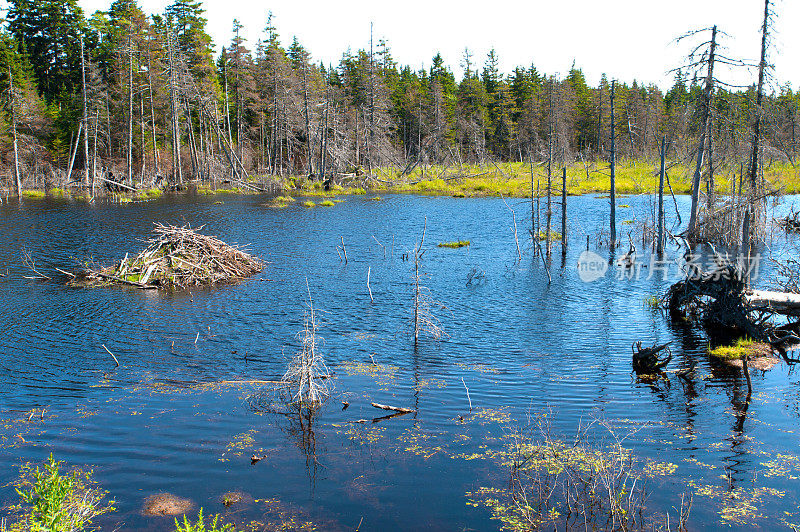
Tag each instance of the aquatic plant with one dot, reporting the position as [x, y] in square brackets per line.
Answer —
[53, 501]
[308, 204]
[454, 245]
[590, 482]
[200, 525]
[284, 199]
[327, 203]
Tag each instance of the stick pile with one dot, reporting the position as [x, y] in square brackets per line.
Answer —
[177, 257]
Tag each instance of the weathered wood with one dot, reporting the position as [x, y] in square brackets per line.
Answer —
[778, 302]
[395, 408]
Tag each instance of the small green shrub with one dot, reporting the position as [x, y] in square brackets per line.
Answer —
[200, 525]
[51, 501]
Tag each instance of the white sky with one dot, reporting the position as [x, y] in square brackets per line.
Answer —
[626, 39]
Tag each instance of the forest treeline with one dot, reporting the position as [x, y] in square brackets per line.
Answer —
[126, 95]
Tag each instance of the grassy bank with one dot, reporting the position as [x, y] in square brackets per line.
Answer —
[514, 180]
[508, 179]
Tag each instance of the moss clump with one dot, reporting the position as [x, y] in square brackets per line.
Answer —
[33, 194]
[327, 203]
[308, 204]
[454, 245]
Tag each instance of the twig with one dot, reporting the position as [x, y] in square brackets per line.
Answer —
[468, 398]
[344, 250]
[112, 354]
[369, 269]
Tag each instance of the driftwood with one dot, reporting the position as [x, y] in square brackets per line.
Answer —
[645, 360]
[395, 408]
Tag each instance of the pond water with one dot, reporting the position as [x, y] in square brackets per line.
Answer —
[168, 419]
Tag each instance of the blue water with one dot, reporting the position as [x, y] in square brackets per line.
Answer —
[521, 344]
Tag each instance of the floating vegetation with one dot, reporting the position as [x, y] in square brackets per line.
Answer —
[653, 302]
[308, 204]
[737, 505]
[454, 245]
[327, 203]
[176, 257]
[166, 504]
[588, 482]
[375, 198]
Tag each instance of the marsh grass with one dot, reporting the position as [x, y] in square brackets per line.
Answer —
[309, 204]
[327, 203]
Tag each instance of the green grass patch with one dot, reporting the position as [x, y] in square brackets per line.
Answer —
[376, 198]
[743, 347]
[327, 203]
[33, 194]
[284, 199]
[454, 245]
[308, 204]
[151, 193]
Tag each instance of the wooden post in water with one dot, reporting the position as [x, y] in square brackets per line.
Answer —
[660, 243]
[564, 212]
[613, 188]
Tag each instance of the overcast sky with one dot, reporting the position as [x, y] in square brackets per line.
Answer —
[626, 39]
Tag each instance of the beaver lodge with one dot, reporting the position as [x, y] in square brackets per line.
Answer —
[176, 257]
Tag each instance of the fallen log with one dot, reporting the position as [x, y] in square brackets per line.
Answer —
[395, 408]
[785, 303]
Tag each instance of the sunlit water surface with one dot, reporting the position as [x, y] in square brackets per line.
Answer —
[521, 344]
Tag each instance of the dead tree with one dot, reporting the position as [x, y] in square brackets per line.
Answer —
[613, 186]
[708, 92]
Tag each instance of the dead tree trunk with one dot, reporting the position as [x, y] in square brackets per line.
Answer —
[613, 186]
[704, 130]
[85, 122]
[12, 101]
[564, 212]
[660, 242]
[756, 142]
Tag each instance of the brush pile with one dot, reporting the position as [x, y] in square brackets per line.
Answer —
[176, 257]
